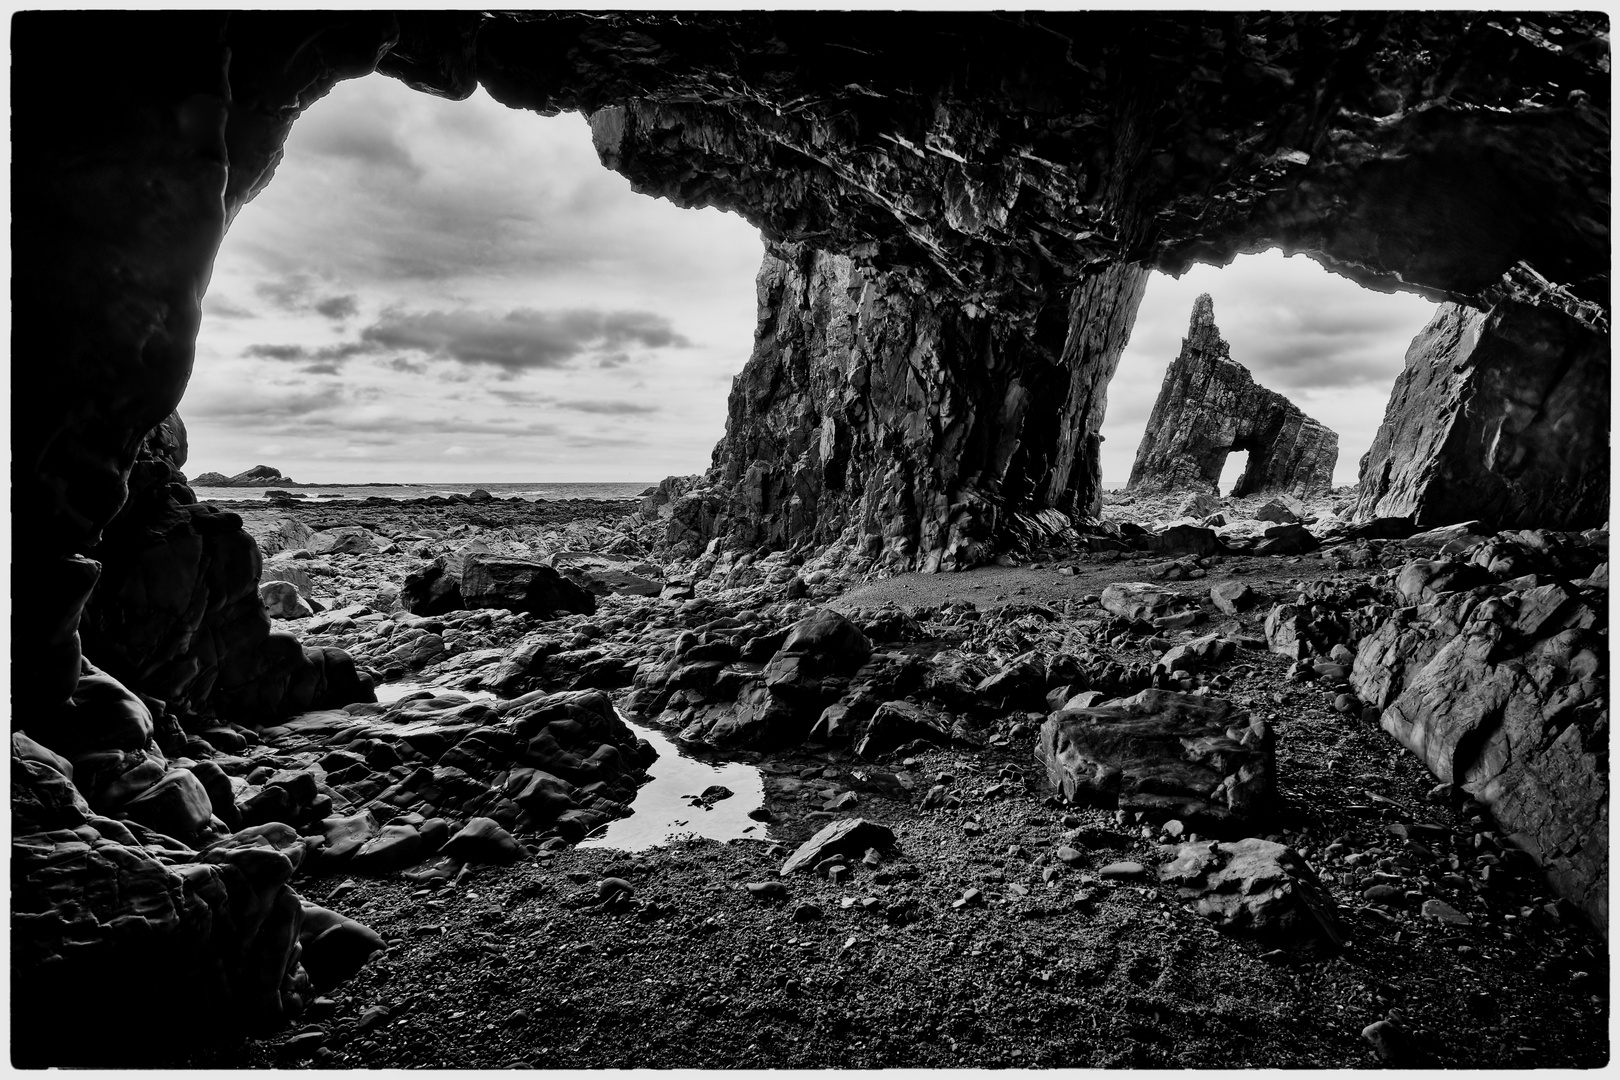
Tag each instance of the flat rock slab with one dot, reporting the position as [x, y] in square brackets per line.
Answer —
[851, 836]
[1256, 886]
[1140, 600]
[1166, 755]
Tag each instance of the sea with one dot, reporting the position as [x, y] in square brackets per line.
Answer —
[318, 493]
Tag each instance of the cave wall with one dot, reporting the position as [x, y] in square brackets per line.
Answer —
[1499, 416]
[1004, 166]
[1210, 406]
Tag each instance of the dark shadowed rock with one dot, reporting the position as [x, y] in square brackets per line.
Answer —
[1168, 755]
[520, 585]
[1209, 407]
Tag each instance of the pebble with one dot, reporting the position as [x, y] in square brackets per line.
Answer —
[1121, 871]
[1382, 894]
[612, 885]
[767, 890]
[804, 913]
[1069, 855]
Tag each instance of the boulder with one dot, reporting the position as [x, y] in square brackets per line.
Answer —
[1233, 597]
[1258, 887]
[1140, 600]
[488, 581]
[483, 841]
[1286, 540]
[346, 540]
[850, 837]
[1166, 755]
[282, 600]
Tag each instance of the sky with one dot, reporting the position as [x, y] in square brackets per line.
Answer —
[440, 291]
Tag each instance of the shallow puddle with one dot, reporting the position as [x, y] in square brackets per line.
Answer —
[662, 810]
[390, 692]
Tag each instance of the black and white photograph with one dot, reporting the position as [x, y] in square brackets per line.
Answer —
[810, 539]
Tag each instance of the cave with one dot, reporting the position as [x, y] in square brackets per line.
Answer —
[961, 212]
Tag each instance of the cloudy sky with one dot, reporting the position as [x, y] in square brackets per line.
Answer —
[456, 291]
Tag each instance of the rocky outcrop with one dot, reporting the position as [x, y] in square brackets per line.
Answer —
[1499, 416]
[258, 476]
[923, 429]
[1495, 677]
[1209, 407]
[176, 615]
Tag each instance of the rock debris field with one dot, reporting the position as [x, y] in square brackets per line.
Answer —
[1125, 803]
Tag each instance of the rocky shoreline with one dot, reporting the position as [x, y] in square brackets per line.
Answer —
[1030, 915]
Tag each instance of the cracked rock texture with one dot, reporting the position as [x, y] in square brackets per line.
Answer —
[1209, 407]
[1500, 416]
[1496, 680]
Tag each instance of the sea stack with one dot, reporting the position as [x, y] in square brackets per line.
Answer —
[1211, 406]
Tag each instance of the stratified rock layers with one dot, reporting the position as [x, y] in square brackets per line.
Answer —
[1209, 407]
[870, 404]
[1500, 416]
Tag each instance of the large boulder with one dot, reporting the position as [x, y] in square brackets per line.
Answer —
[1167, 755]
[520, 585]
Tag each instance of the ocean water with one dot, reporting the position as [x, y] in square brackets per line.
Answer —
[317, 493]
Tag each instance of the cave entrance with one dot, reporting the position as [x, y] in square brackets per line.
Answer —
[1233, 472]
[1327, 344]
[451, 292]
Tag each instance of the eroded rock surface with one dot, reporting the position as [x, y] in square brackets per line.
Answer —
[1209, 407]
[1164, 754]
[1500, 416]
[1497, 681]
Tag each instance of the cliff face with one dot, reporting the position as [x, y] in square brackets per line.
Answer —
[871, 405]
[1211, 406]
[1499, 416]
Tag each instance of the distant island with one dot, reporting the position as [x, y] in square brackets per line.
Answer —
[258, 476]
[268, 475]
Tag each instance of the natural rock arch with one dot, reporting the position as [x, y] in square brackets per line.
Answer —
[994, 189]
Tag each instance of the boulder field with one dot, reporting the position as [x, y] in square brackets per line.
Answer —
[1112, 783]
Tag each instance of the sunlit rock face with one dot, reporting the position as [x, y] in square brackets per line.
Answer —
[1500, 416]
[1211, 406]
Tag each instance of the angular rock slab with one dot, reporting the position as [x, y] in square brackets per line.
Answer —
[851, 836]
[1140, 600]
[1256, 886]
[1164, 754]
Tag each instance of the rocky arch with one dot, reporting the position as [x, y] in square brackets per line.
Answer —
[962, 207]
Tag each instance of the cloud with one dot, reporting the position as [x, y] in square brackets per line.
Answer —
[288, 293]
[339, 307]
[277, 352]
[520, 340]
[220, 307]
[324, 368]
[610, 408]
[363, 139]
